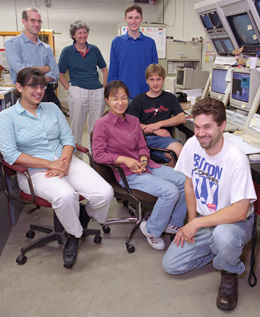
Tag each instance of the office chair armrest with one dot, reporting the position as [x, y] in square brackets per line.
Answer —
[85, 150]
[171, 152]
[121, 173]
[8, 170]
[82, 148]
[15, 167]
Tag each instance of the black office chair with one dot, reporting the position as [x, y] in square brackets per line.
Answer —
[158, 159]
[132, 196]
[56, 233]
[153, 155]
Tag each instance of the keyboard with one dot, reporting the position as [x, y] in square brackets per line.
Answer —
[249, 138]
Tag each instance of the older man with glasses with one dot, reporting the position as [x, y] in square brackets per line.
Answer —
[27, 50]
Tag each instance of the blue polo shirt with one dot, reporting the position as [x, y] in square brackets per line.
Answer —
[129, 59]
[82, 71]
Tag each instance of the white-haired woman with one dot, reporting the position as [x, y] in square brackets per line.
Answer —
[86, 93]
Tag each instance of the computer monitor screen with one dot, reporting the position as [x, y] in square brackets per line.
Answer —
[218, 46]
[206, 21]
[243, 29]
[215, 20]
[257, 5]
[241, 86]
[218, 81]
[229, 47]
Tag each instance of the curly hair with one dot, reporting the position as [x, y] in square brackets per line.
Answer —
[210, 106]
[78, 24]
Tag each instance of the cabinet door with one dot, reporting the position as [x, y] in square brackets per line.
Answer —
[183, 51]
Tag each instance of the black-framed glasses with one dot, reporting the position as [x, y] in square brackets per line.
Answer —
[36, 87]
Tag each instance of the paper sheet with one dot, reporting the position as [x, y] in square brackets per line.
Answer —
[243, 145]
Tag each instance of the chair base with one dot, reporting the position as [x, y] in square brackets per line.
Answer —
[106, 229]
[52, 234]
[49, 237]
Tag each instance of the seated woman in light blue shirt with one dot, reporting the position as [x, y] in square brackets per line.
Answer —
[37, 135]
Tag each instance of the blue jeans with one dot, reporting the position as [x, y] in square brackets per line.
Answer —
[223, 244]
[170, 207]
[159, 142]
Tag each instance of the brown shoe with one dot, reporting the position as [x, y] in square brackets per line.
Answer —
[227, 293]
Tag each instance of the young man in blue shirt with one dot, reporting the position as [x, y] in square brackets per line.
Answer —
[131, 53]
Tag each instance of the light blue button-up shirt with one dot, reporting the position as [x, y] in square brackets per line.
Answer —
[42, 136]
[21, 53]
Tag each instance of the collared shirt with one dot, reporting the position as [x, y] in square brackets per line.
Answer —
[42, 136]
[82, 71]
[114, 137]
[129, 59]
[22, 52]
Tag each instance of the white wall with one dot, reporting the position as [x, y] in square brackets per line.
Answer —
[103, 17]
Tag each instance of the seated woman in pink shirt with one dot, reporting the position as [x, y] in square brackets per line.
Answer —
[118, 139]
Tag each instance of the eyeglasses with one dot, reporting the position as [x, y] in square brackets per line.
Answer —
[33, 21]
[36, 87]
[116, 100]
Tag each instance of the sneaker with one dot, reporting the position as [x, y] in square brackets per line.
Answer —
[156, 243]
[171, 229]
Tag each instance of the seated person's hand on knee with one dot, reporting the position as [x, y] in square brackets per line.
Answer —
[53, 173]
[186, 233]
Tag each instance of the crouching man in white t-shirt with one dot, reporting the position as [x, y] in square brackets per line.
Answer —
[219, 193]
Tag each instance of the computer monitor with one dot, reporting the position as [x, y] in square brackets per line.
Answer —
[215, 25]
[219, 47]
[244, 85]
[218, 81]
[184, 78]
[214, 18]
[211, 20]
[242, 24]
[189, 78]
[206, 21]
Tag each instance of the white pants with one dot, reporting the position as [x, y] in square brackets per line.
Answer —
[63, 194]
[83, 103]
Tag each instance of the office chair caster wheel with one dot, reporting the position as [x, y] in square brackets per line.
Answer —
[97, 239]
[30, 234]
[130, 248]
[106, 229]
[21, 259]
[131, 213]
[68, 265]
[125, 203]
